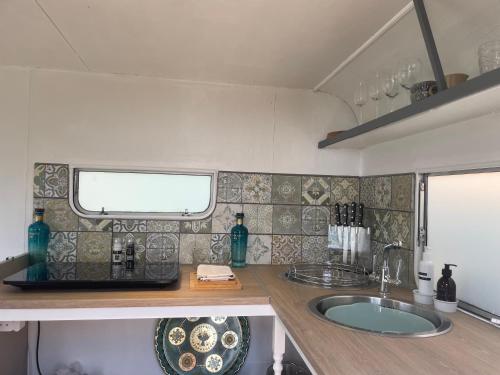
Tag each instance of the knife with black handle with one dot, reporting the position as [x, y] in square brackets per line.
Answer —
[359, 218]
[352, 215]
[345, 214]
[337, 214]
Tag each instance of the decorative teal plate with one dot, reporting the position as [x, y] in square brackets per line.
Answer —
[202, 346]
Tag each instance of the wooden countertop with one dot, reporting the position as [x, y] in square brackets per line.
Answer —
[472, 347]
[251, 294]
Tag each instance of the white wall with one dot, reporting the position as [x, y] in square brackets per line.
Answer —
[81, 117]
[468, 144]
[14, 99]
[108, 119]
[123, 347]
[127, 120]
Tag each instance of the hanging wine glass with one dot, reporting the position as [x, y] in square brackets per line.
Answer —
[361, 98]
[415, 70]
[390, 87]
[409, 73]
[375, 92]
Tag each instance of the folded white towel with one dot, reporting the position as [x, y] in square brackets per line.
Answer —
[209, 272]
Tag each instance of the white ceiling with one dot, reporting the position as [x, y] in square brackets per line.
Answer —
[290, 43]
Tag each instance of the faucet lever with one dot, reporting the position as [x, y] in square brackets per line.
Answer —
[385, 278]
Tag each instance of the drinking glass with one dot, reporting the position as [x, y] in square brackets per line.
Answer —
[398, 265]
[375, 92]
[361, 98]
[390, 87]
[409, 73]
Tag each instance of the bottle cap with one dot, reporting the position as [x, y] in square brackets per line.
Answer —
[446, 270]
[39, 211]
[240, 215]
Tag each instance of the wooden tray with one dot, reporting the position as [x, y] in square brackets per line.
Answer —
[196, 284]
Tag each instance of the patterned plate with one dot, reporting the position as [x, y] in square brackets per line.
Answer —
[202, 346]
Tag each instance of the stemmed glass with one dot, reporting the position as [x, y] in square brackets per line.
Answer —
[375, 93]
[409, 72]
[361, 98]
[390, 87]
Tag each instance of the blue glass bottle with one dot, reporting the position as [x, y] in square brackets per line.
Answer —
[239, 241]
[38, 238]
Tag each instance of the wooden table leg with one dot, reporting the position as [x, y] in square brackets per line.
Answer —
[279, 336]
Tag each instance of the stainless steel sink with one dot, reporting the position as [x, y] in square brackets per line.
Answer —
[380, 316]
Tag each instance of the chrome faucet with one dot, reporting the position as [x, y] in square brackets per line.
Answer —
[384, 277]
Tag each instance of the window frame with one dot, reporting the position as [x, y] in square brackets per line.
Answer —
[181, 216]
[423, 176]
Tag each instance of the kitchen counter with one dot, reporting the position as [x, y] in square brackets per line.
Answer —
[472, 347]
[252, 294]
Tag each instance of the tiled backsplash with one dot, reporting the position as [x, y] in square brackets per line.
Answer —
[390, 212]
[287, 217]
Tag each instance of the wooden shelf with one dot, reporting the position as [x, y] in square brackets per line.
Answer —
[473, 98]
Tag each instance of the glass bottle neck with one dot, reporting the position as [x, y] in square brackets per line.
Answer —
[39, 218]
[239, 221]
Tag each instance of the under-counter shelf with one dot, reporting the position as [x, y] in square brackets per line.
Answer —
[473, 98]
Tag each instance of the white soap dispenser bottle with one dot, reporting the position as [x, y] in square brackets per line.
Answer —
[426, 274]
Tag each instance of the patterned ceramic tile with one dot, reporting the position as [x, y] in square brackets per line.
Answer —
[259, 249]
[220, 249]
[156, 270]
[367, 191]
[286, 189]
[382, 192]
[134, 226]
[316, 190]
[224, 217]
[315, 220]
[163, 226]
[197, 226]
[95, 225]
[94, 247]
[286, 249]
[56, 181]
[62, 270]
[257, 188]
[344, 190]
[194, 248]
[258, 218]
[38, 203]
[62, 247]
[230, 186]
[314, 249]
[379, 221]
[400, 228]
[287, 220]
[59, 216]
[140, 244]
[402, 192]
[162, 247]
[86, 270]
[39, 180]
